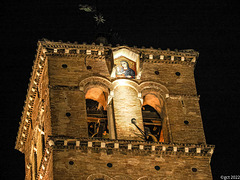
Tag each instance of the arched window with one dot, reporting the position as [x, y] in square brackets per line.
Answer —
[96, 106]
[152, 120]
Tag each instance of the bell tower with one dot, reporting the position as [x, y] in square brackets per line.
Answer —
[98, 112]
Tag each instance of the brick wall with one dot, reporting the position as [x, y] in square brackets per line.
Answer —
[68, 113]
[75, 71]
[182, 84]
[80, 164]
[185, 120]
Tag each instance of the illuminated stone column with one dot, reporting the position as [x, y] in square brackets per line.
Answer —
[111, 121]
[127, 106]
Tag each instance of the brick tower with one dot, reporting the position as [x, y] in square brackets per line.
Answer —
[99, 112]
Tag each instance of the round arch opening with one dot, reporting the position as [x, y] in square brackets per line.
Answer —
[152, 109]
[96, 107]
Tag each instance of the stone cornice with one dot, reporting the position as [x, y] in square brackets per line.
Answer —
[186, 57]
[166, 61]
[61, 45]
[59, 87]
[138, 148]
[179, 96]
[133, 147]
[26, 117]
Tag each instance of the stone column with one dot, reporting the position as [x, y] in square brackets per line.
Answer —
[110, 116]
[127, 106]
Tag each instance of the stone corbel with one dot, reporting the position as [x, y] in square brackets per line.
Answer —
[81, 88]
[44, 50]
[42, 58]
[51, 142]
[66, 50]
[167, 96]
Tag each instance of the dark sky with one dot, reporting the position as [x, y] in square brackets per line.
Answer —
[210, 27]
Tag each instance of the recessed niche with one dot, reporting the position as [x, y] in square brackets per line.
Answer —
[64, 66]
[157, 168]
[178, 73]
[89, 67]
[186, 122]
[71, 162]
[68, 114]
[194, 169]
[157, 72]
[109, 165]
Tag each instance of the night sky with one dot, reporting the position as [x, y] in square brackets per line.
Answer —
[210, 27]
